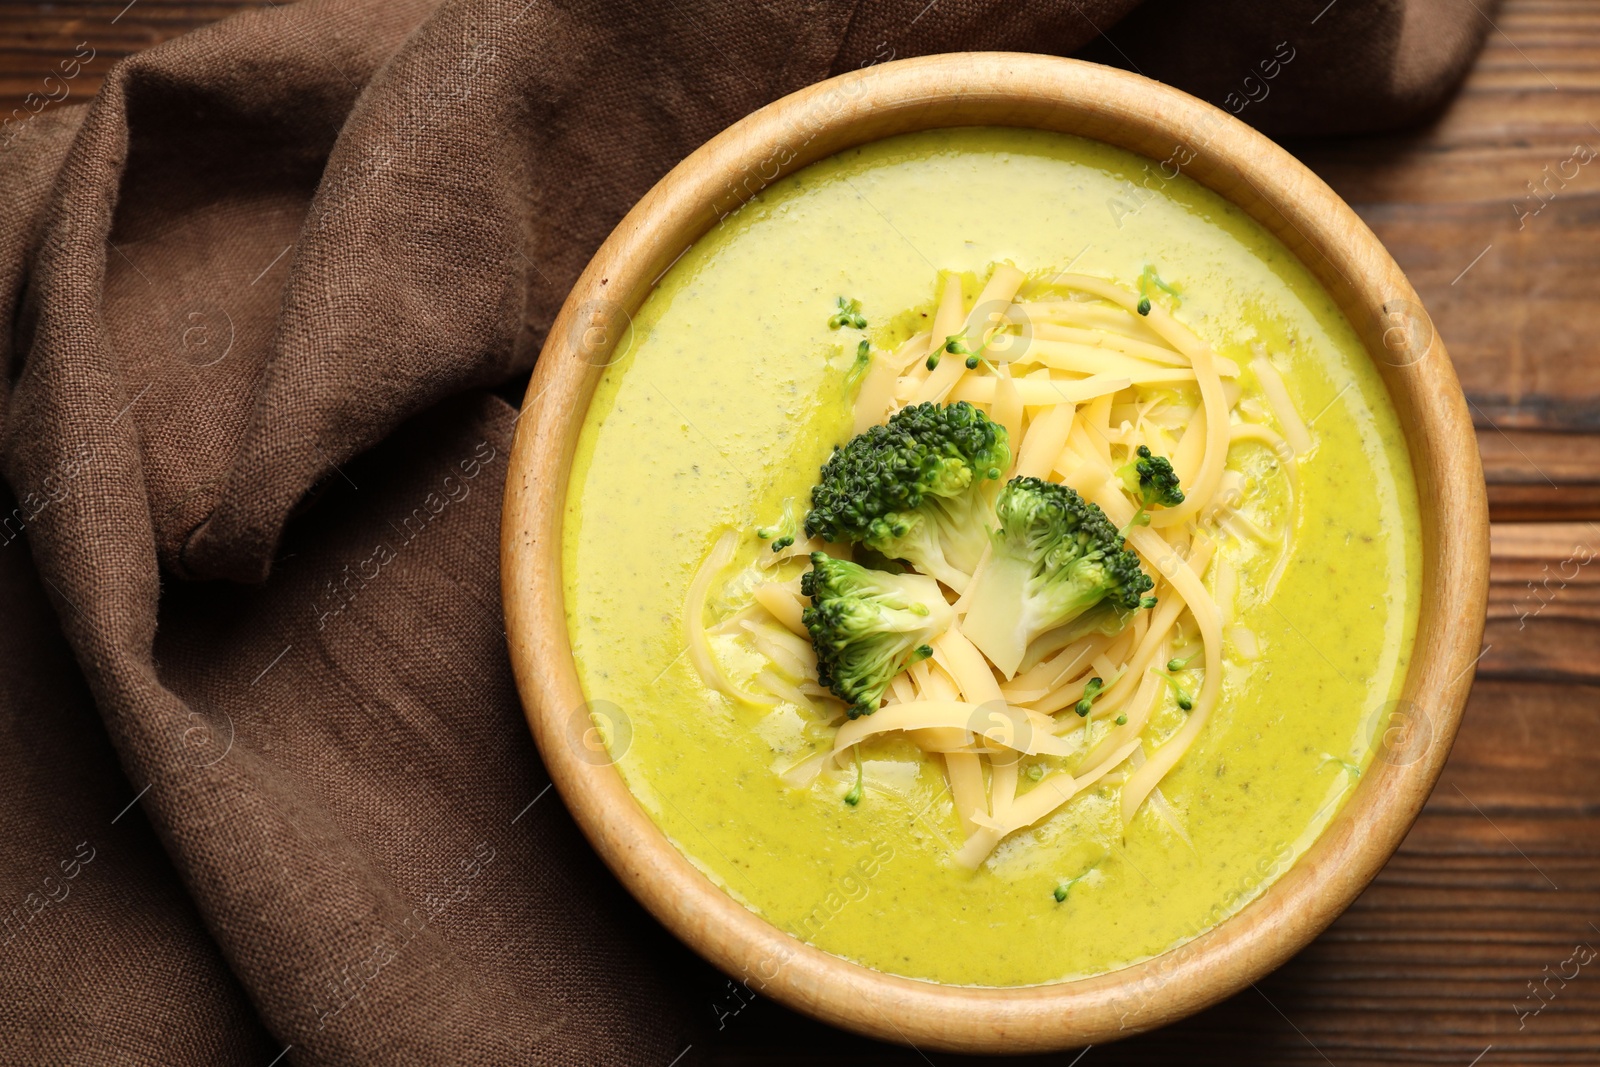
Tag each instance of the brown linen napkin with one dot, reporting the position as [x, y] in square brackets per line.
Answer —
[255, 295]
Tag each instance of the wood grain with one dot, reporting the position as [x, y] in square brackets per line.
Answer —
[35, 39]
[1544, 603]
[1521, 320]
[1541, 474]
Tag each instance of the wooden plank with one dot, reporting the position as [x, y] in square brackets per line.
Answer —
[36, 39]
[1496, 220]
[1538, 475]
[1544, 602]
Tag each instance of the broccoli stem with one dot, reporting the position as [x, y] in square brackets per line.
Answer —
[1065, 888]
[994, 620]
[1090, 692]
[849, 314]
[858, 369]
[1149, 277]
[1185, 701]
[853, 797]
[780, 533]
[956, 345]
[1176, 665]
[1349, 768]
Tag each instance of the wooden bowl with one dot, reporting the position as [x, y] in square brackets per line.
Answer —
[1134, 113]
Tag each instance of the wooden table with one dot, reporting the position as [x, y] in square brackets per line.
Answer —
[1500, 879]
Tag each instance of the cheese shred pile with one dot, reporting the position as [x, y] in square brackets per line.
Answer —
[1081, 372]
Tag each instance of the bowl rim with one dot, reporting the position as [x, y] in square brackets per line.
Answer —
[1189, 136]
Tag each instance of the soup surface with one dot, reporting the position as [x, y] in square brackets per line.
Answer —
[730, 393]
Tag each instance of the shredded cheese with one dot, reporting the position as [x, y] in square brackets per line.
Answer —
[1295, 430]
[694, 610]
[1080, 379]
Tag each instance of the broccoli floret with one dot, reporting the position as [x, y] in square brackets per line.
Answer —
[1152, 479]
[1057, 561]
[913, 489]
[867, 626]
[781, 533]
[1153, 483]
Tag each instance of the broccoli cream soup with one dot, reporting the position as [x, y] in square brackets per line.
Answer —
[986, 573]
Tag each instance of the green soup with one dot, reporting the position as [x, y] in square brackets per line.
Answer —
[729, 397]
